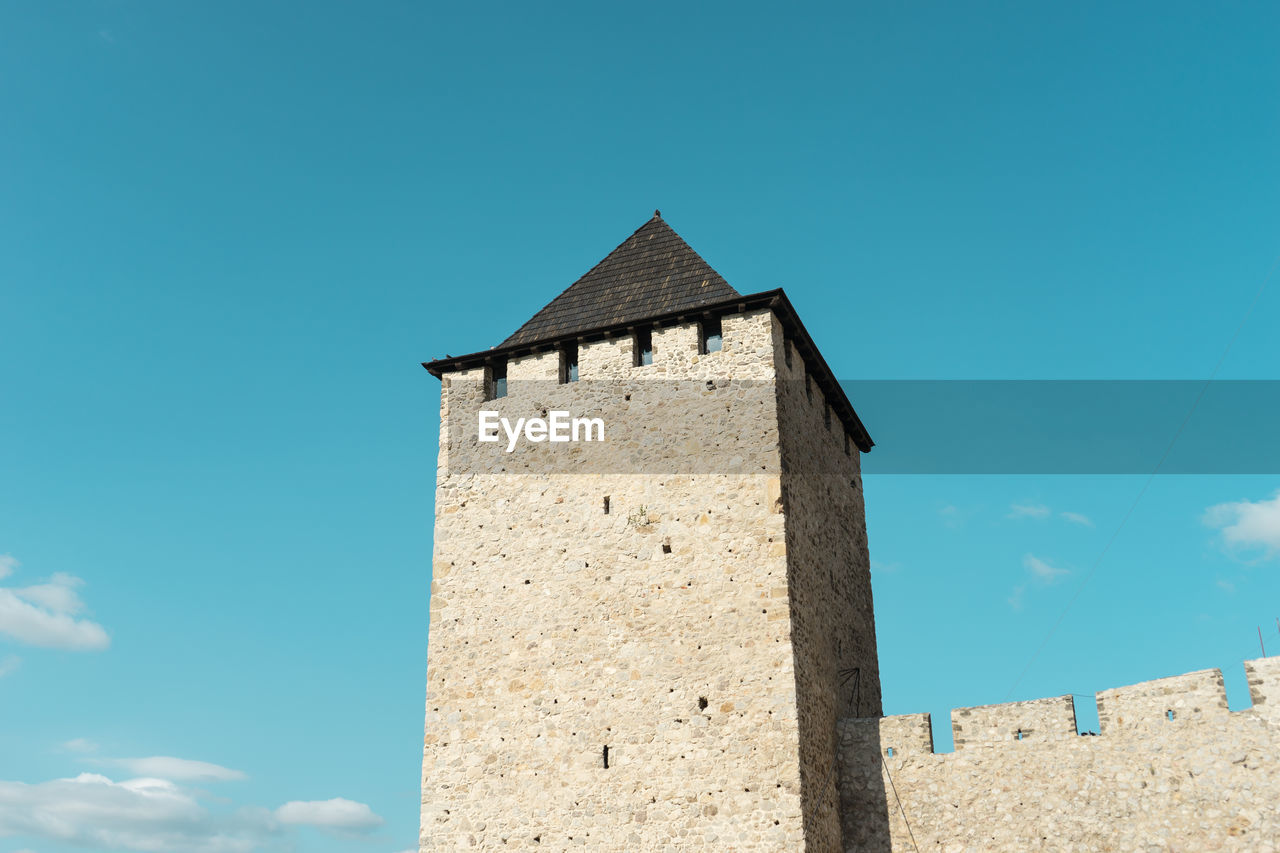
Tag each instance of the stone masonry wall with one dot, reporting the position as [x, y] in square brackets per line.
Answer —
[647, 612]
[829, 579]
[1171, 770]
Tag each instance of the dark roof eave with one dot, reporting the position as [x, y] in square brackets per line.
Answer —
[776, 300]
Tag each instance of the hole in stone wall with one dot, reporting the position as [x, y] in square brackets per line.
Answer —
[606, 756]
[606, 504]
[702, 700]
[666, 547]
[1168, 715]
[1019, 734]
[889, 752]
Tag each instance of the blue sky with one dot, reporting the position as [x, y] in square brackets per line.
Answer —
[231, 231]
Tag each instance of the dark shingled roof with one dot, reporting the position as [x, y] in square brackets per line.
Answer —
[653, 272]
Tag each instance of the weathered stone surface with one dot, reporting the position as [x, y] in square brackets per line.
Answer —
[666, 641]
[693, 617]
[1206, 779]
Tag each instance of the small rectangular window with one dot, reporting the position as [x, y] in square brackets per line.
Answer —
[497, 381]
[643, 347]
[569, 364]
[710, 337]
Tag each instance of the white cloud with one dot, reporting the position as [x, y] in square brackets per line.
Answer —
[1042, 570]
[80, 744]
[878, 567]
[954, 517]
[147, 815]
[8, 664]
[1248, 526]
[1028, 511]
[1226, 585]
[45, 614]
[329, 814]
[152, 815]
[56, 596]
[178, 769]
[1077, 518]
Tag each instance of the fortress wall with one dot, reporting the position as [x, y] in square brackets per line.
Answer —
[1264, 686]
[1036, 720]
[828, 586]
[654, 628]
[1206, 780]
[1155, 704]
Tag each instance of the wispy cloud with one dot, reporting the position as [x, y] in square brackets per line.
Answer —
[1042, 570]
[156, 815]
[1226, 585]
[178, 769]
[956, 517]
[1041, 512]
[44, 614]
[80, 744]
[878, 567]
[329, 814]
[147, 815]
[1250, 529]
[8, 664]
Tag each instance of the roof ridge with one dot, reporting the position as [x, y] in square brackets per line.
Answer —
[596, 266]
[644, 274]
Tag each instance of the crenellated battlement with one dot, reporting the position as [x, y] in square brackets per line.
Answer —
[1264, 686]
[1033, 721]
[1181, 699]
[1172, 768]
[1137, 708]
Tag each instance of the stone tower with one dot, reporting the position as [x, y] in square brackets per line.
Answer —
[645, 642]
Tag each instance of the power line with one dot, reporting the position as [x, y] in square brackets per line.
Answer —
[901, 810]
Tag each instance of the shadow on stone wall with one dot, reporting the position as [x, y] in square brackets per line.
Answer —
[865, 799]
